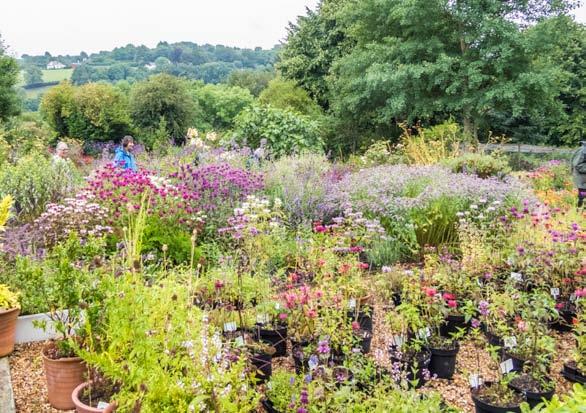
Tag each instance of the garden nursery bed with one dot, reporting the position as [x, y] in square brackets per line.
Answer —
[213, 278]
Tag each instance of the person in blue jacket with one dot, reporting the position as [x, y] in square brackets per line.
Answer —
[124, 158]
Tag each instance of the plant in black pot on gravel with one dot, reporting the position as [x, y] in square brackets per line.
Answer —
[495, 396]
[530, 349]
[575, 369]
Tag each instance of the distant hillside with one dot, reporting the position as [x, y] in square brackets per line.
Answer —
[209, 63]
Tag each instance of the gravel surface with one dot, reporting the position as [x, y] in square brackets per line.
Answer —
[31, 397]
[28, 379]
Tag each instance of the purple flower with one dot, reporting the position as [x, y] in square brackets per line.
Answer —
[323, 347]
[475, 323]
[483, 307]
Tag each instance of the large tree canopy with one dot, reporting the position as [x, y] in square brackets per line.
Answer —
[423, 59]
[9, 102]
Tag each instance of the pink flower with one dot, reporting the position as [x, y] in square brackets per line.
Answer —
[311, 313]
[449, 296]
[580, 292]
[452, 303]
[219, 284]
[430, 292]
[521, 325]
[363, 265]
[559, 306]
[355, 325]
[282, 316]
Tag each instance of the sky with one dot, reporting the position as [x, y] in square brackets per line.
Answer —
[70, 26]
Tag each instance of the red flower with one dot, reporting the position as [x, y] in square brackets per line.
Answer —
[449, 296]
[430, 292]
[219, 284]
[318, 227]
[559, 306]
[566, 280]
[343, 269]
[363, 265]
[355, 325]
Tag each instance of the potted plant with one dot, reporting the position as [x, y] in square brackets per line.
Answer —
[531, 348]
[95, 395]
[271, 326]
[9, 309]
[497, 396]
[575, 369]
[66, 289]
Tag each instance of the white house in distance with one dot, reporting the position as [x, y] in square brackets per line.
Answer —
[150, 66]
[54, 64]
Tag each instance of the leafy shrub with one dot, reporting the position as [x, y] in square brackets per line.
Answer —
[95, 111]
[162, 96]
[432, 145]
[172, 242]
[23, 136]
[33, 182]
[285, 131]
[8, 299]
[218, 105]
[285, 94]
[478, 164]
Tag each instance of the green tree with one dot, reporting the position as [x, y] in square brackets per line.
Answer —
[9, 71]
[218, 105]
[253, 80]
[94, 111]
[285, 131]
[313, 44]
[32, 74]
[162, 96]
[285, 94]
[426, 59]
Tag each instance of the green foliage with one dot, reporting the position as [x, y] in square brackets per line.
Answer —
[91, 112]
[313, 44]
[9, 73]
[573, 402]
[33, 74]
[8, 299]
[162, 96]
[177, 363]
[285, 94]
[33, 182]
[285, 132]
[218, 105]
[436, 224]
[23, 135]
[482, 165]
[253, 80]
[177, 241]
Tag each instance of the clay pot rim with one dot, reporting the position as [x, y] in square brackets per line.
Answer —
[79, 403]
[10, 310]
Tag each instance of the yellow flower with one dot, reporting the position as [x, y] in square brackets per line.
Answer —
[5, 206]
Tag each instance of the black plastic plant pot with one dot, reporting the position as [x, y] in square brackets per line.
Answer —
[518, 362]
[263, 364]
[300, 359]
[564, 322]
[453, 322]
[493, 339]
[414, 366]
[484, 407]
[276, 338]
[533, 398]
[268, 406]
[443, 362]
[365, 342]
[397, 299]
[363, 318]
[570, 371]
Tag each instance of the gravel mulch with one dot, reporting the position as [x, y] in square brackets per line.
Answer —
[28, 379]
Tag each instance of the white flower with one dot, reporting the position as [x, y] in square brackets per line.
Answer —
[473, 206]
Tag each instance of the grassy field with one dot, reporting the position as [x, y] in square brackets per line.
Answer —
[56, 75]
[33, 93]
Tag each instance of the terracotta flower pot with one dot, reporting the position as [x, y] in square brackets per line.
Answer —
[81, 407]
[7, 330]
[63, 376]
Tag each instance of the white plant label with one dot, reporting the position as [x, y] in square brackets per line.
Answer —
[352, 303]
[507, 366]
[398, 340]
[475, 380]
[239, 341]
[555, 292]
[262, 318]
[102, 405]
[516, 276]
[231, 326]
[277, 306]
[510, 342]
